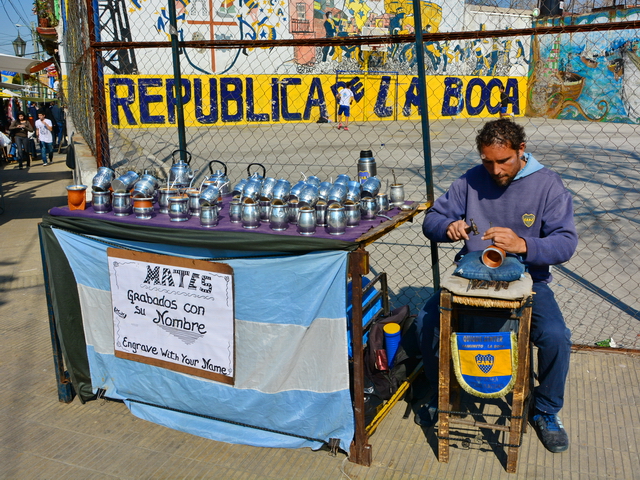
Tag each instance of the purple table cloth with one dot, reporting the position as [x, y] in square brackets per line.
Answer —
[161, 220]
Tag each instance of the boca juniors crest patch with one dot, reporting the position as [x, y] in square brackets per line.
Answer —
[485, 363]
[528, 219]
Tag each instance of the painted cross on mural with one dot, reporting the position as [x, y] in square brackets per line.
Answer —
[211, 23]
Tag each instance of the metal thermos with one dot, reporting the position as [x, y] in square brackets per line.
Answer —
[366, 166]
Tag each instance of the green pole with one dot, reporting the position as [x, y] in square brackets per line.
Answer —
[426, 142]
[177, 77]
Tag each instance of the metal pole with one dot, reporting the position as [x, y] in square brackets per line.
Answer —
[426, 142]
[177, 77]
[103, 152]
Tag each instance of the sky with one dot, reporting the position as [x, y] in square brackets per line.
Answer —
[14, 12]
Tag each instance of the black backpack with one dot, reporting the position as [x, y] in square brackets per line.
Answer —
[381, 383]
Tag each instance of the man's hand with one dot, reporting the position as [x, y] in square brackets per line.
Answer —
[458, 230]
[506, 239]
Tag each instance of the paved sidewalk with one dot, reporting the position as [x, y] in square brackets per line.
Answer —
[41, 438]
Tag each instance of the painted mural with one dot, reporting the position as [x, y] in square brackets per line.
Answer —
[148, 20]
[592, 76]
[300, 83]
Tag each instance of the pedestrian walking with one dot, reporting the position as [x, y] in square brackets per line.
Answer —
[20, 130]
[44, 129]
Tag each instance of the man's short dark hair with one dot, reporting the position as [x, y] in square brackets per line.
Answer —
[501, 132]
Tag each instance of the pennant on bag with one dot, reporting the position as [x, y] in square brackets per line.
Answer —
[485, 363]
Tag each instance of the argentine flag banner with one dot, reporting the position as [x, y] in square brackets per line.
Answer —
[485, 363]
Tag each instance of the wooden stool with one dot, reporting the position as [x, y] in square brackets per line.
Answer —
[514, 302]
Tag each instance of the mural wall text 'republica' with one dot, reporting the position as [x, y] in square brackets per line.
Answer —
[149, 101]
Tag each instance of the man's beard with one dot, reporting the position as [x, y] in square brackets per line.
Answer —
[503, 181]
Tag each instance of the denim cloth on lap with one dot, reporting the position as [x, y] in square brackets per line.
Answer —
[471, 267]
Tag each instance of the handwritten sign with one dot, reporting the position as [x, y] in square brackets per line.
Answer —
[173, 312]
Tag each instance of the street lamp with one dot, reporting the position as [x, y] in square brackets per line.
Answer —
[19, 46]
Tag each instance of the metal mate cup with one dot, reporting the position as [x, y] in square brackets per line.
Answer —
[308, 195]
[194, 201]
[239, 188]
[144, 188]
[369, 208]
[250, 215]
[124, 183]
[321, 213]
[101, 202]
[235, 211]
[268, 185]
[279, 216]
[313, 180]
[323, 190]
[382, 199]
[352, 211]
[143, 207]
[210, 195]
[281, 190]
[252, 189]
[342, 179]
[179, 208]
[294, 208]
[264, 205]
[102, 181]
[208, 216]
[163, 198]
[294, 193]
[336, 219]
[307, 221]
[371, 187]
[354, 191]
[396, 194]
[493, 256]
[121, 204]
[337, 194]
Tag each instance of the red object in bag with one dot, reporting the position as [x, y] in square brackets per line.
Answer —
[382, 362]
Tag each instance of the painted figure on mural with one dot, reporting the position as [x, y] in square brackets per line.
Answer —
[227, 9]
[504, 103]
[396, 22]
[329, 32]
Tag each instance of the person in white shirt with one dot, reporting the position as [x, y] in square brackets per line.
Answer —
[344, 98]
[44, 129]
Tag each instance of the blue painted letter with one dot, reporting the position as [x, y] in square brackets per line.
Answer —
[123, 102]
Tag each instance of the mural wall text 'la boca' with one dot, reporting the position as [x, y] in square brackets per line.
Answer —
[143, 101]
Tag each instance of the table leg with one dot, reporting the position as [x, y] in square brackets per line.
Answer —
[519, 391]
[360, 451]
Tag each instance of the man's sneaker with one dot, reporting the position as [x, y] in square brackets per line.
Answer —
[551, 432]
[339, 127]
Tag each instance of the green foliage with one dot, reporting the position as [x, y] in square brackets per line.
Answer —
[43, 9]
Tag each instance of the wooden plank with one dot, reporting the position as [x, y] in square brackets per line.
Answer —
[385, 227]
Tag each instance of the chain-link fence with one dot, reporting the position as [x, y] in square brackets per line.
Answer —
[260, 81]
